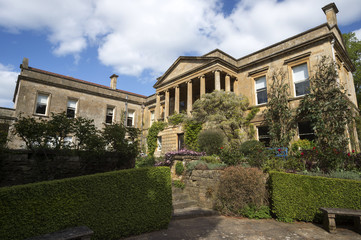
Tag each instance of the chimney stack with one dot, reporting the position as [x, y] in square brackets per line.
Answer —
[25, 63]
[113, 81]
[330, 10]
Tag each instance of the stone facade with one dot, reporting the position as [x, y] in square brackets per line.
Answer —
[186, 80]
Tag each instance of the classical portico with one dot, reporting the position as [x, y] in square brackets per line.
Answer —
[181, 95]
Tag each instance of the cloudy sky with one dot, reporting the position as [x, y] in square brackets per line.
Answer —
[140, 39]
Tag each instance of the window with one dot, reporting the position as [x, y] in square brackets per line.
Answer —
[263, 135]
[109, 115]
[301, 80]
[130, 119]
[159, 143]
[71, 108]
[151, 117]
[305, 131]
[181, 141]
[261, 90]
[41, 104]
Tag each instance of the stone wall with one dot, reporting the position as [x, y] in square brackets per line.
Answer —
[202, 186]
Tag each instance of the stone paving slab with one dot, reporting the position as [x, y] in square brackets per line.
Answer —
[220, 227]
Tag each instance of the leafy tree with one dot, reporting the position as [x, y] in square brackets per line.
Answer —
[226, 111]
[87, 136]
[57, 128]
[31, 131]
[353, 47]
[327, 108]
[278, 115]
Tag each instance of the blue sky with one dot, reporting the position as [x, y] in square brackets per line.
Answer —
[139, 40]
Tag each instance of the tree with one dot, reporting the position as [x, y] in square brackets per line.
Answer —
[278, 115]
[353, 47]
[88, 137]
[328, 109]
[31, 131]
[226, 111]
[57, 128]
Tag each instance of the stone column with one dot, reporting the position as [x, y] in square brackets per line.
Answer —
[217, 80]
[228, 83]
[235, 86]
[166, 106]
[157, 107]
[203, 85]
[176, 100]
[189, 97]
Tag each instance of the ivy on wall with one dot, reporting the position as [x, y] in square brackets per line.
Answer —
[152, 136]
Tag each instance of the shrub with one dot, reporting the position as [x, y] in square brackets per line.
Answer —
[254, 152]
[191, 132]
[231, 154]
[179, 184]
[179, 168]
[302, 144]
[241, 187]
[299, 197]
[177, 118]
[211, 141]
[145, 161]
[262, 212]
[97, 201]
[211, 159]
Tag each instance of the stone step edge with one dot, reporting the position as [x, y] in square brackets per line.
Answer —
[193, 212]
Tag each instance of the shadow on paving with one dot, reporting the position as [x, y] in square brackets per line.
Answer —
[220, 227]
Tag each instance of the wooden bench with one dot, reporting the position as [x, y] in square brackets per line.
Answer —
[78, 233]
[330, 214]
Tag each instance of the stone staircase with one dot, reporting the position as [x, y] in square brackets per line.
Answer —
[184, 207]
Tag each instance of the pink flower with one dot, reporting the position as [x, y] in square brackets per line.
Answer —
[302, 153]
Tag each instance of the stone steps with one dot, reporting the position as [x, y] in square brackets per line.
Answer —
[184, 207]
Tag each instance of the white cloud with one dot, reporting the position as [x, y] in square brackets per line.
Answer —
[148, 35]
[358, 34]
[7, 82]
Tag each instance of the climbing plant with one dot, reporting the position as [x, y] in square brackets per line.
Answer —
[153, 134]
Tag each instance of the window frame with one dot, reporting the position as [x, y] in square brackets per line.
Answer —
[47, 106]
[76, 107]
[267, 136]
[159, 143]
[305, 134]
[131, 112]
[260, 77]
[106, 114]
[296, 64]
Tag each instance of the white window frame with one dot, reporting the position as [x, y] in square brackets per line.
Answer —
[106, 114]
[152, 117]
[259, 87]
[131, 114]
[301, 80]
[39, 101]
[159, 143]
[69, 106]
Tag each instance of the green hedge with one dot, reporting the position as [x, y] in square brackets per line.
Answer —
[113, 204]
[299, 197]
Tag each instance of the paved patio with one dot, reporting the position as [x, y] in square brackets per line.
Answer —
[220, 227]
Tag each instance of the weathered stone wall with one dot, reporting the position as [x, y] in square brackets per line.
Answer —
[202, 186]
[22, 167]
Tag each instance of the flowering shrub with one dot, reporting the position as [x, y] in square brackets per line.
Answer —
[163, 163]
[183, 152]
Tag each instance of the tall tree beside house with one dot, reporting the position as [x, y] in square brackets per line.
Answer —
[278, 115]
[227, 112]
[353, 47]
[329, 111]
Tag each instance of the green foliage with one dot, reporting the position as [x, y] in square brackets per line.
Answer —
[57, 128]
[152, 136]
[177, 118]
[179, 184]
[211, 159]
[335, 174]
[179, 168]
[262, 212]
[278, 114]
[31, 131]
[146, 161]
[211, 141]
[327, 108]
[231, 154]
[191, 131]
[88, 137]
[241, 187]
[254, 152]
[97, 201]
[4, 128]
[300, 197]
[225, 111]
[353, 47]
[302, 144]
[202, 165]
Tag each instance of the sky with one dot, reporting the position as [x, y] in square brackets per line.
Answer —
[140, 39]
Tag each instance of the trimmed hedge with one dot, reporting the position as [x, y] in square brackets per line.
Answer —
[299, 197]
[114, 204]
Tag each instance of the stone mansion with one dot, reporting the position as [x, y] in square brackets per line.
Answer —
[39, 92]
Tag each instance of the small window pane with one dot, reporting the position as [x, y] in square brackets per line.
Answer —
[300, 73]
[262, 96]
[302, 88]
[263, 135]
[261, 90]
[41, 104]
[71, 108]
[260, 83]
[109, 115]
[305, 131]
